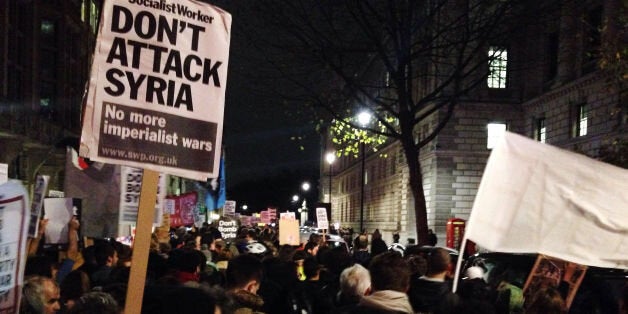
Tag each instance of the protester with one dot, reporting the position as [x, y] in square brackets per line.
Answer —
[432, 237]
[95, 303]
[244, 276]
[390, 278]
[355, 283]
[106, 257]
[40, 295]
[361, 254]
[546, 300]
[432, 291]
[378, 245]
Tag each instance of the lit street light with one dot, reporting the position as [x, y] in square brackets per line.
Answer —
[330, 157]
[295, 198]
[364, 118]
[305, 186]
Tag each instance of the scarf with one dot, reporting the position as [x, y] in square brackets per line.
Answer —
[388, 300]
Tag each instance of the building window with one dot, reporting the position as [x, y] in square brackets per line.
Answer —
[497, 66]
[582, 120]
[495, 133]
[540, 130]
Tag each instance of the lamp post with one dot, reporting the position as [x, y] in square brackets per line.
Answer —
[363, 118]
[330, 157]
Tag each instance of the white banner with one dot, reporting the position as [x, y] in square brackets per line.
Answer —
[536, 198]
[157, 87]
[14, 214]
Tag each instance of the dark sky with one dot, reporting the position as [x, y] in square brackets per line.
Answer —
[265, 142]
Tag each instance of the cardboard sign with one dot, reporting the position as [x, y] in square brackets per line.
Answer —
[289, 232]
[157, 87]
[14, 216]
[245, 220]
[321, 218]
[288, 216]
[39, 193]
[272, 212]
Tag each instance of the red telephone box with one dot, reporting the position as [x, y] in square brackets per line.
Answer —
[455, 232]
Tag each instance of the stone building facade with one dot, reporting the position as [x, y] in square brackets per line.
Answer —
[566, 101]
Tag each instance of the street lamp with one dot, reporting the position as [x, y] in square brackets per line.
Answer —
[295, 198]
[305, 186]
[330, 158]
[364, 118]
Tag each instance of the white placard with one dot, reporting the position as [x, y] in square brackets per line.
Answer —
[39, 193]
[4, 173]
[130, 186]
[157, 87]
[14, 214]
[321, 218]
[229, 208]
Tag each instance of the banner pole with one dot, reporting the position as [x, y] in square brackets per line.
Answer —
[141, 244]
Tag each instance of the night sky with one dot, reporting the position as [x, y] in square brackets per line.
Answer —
[270, 148]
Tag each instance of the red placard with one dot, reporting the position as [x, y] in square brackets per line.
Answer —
[183, 214]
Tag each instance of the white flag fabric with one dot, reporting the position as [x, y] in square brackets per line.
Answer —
[536, 198]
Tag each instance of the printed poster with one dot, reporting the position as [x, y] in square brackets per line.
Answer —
[229, 208]
[39, 193]
[130, 187]
[321, 217]
[182, 209]
[14, 216]
[553, 272]
[157, 88]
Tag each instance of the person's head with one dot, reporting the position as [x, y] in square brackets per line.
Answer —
[363, 242]
[95, 303]
[389, 271]
[40, 295]
[75, 284]
[244, 273]
[396, 237]
[312, 248]
[376, 234]
[105, 254]
[438, 262]
[315, 238]
[546, 300]
[355, 281]
[185, 260]
[207, 241]
[311, 268]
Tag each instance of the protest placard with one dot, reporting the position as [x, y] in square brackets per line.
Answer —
[321, 218]
[264, 217]
[14, 216]
[228, 227]
[130, 186]
[289, 232]
[4, 173]
[288, 216]
[229, 208]
[157, 87]
[59, 212]
[182, 209]
[553, 272]
[39, 193]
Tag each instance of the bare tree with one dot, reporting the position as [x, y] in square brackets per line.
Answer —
[404, 61]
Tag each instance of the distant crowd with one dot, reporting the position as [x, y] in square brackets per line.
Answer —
[196, 271]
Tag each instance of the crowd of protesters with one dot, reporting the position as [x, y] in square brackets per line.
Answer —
[196, 271]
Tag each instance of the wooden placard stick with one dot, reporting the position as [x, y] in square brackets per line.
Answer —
[141, 244]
